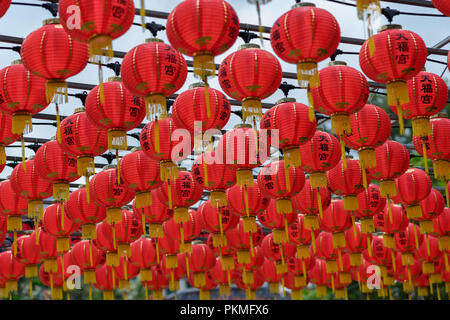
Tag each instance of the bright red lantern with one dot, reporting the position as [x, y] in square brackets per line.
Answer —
[107, 192]
[441, 226]
[428, 252]
[305, 35]
[250, 75]
[281, 183]
[336, 219]
[432, 206]
[158, 284]
[290, 118]
[370, 203]
[47, 244]
[4, 6]
[413, 186]
[140, 174]
[118, 113]
[442, 5]
[244, 241]
[6, 135]
[347, 182]
[279, 223]
[12, 206]
[38, 54]
[250, 288]
[278, 252]
[99, 22]
[203, 29]
[154, 70]
[227, 252]
[29, 253]
[318, 275]
[392, 160]
[105, 241]
[399, 56]
[125, 271]
[21, 101]
[222, 276]
[184, 232]
[302, 237]
[319, 155]
[56, 222]
[55, 165]
[201, 260]
[88, 257]
[84, 213]
[357, 241]
[407, 241]
[11, 270]
[106, 281]
[296, 288]
[390, 220]
[300, 267]
[143, 255]
[214, 176]
[268, 268]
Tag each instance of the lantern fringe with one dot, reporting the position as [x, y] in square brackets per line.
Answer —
[219, 198]
[199, 279]
[397, 92]
[146, 274]
[89, 276]
[311, 113]
[300, 281]
[171, 261]
[250, 294]
[89, 231]
[388, 188]
[428, 267]
[388, 280]
[407, 259]
[311, 222]
[219, 240]
[307, 74]
[108, 295]
[388, 241]
[204, 66]
[112, 259]
[117, 139]
[441, 169]
[156, 106]
[224, 290]
[367, 158]
[35, 209]
[123, 249]
[435, 278]
[248, 277]
[174, 285]
[185, 246]
[338, 240]
[367, 225]
[292, 158]
[2, 154]
[443, 243]
[62, 244]
[332, 266]
[61, 191]
[113, 215]
[124, 284]
[296, 294]
[284, 206]
[414, 211]
[143, 199]
[355, 259]
[421, 127]
[321, 291]
[340, 123]
[250, 224]
[14, 223]
[251, 107]
[85, 164]
[227, 262]
[350, 203]
[157, 295]
[426, 226]
[243, 257]
[318, 179]
[207, 100]
[99, 46]
[181, 214]
[281, 268]
[204, 295]
[302, 251]
[31, 271]
[274, 287]
[169, 171]
[50, 265]
[340, 293]
[21, 123]
[155, 230]
[56, 91]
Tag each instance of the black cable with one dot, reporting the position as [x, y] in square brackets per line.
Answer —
[437, 61]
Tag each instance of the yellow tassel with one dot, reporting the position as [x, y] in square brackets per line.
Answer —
[367, 225]
[123, 249]
[425, 156]
[108, 295]
[146, 275]
[407, 259]
[364, 175]
[250, 294]
[397, 92]
[426, 226]
[300, 281]
[251, 107]
[307, 74]
[14, 223]
[156, 106]
[100, 46]
[207, 101]
[155, 230]
[143, 199]
[36, 229]
[171, 261]
[414, 211]
[355, 259]
[243, 257]
[296, 294]
[371, 43]
[292, 158]
[112, 259]
[340, 293]
[428, 267]
[339, 240]
[311, 222]
[85, 165]
[441, 170]
[2, 154]
[56, 91]
[228, 263]
[113, 215]
[58, 125]
[89, 276]
[62, 215]
[24, 162]
[331, 266]
[62, 244]
[124, 285]
[421, 127]
[343, 157]
[369, 246]
[318, 179]
[204, 295]
[35, 209]
[224, 290]
[157, 295]
[244, 177]
[350, 203]
[443, 243]
[321, 291]
[31, 271]
[181, 214]
[61, 191]
[88, 231]
[169, 171]
[204, 65]
[117, 139]
[50, 265]
[367, 157]
[388, 203]
[302, 251]
[142, 12]
[400, 119]
[284, 206]
[219, 198]
[388, 241]
[281, 268]
[205, 170]
[114, 236]
[340, 123]
[199, 279]
[388, 188]
[219, 240]
[274, 287]
[447, 266]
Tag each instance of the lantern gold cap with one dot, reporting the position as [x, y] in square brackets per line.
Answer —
[79, 109]
[50, 21]
[149, 40]
[303, 4]
[390, 27]
[17, 61]
[242, 125]
[337, 63]
[287, 99]
[197, 85]
[249, 46]
[110, 79]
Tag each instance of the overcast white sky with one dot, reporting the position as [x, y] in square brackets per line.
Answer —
[20, 21]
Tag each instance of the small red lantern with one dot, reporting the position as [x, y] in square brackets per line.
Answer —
[227, 252]
[250, 268]
[4, 6]
[106, 281]
[7, 137]
[319, 276]
[305, 35]
[47, 244]
[442, 6]
[118, 113]
[125, 271]
[38, 54]
[370, 203]
[184, 232]
[289, 118]
[11, 270]
[201, 260]
[88, 257]
[407, 241]
[270, 218]
[250, 288]
[158, 284]
[250, 75]
[296, 289]
[154, 70]
[278, 252]
[336, 219]
[357, 241]
[328, 252]
[143, 255]
[244, 241]
[320, 154]
[222, 276]
[302, 237]
[105, 241]
[268, 268]
[428, 252]
[300, 267]
[432, 206]
[347, 182]
[390, 220]
[441, 226]
[29, 253]
[409, 52]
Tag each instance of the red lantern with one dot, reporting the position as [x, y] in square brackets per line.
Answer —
[176, 273]
[300, 267]
[250, 75]
[327, 251]
[347, 182]
[4, 6]
[21, 101]
[250, 288]
[410, 54]
[100, 22]
[370, 203]
[244, 241]
[29, 253]
[250, 268]
[52, 223]
[227, 252]
[336, 219]
[158, 284]
[106, 242]
[381, 255]
[180, 194]
[154, 70]
[210, 284]
[11, 270]
[319, 155]
[38, 54]
[107, 192]
[203, 29]
[47, 244]
[392, 160]
[319, 276]
[125, 271]
[305, 35]
[428, 95]
[222, 276]
[442, 6]
[390, 220]
[58, 167]
[357, 241]
[296, 289]
[370, 128]
[277, 252]
[56, 280]
[184, 232]
[407, 241]
[428, 252]
[289, 118]
[140, 174]
[201, 260]
[302, 237]
[106, 281]
[281, 183]
[88, 257]
[271, 219]
[248, 202]
[436, 147]
[214, 176]
[413, 186]
[84, 213]
[157, 143]
[6, 135]
[143, 255]
[269, 270]
[432, 206]
[441, 226]
[80, 138]
[217, 220]
[193, 106]
[118, 113]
